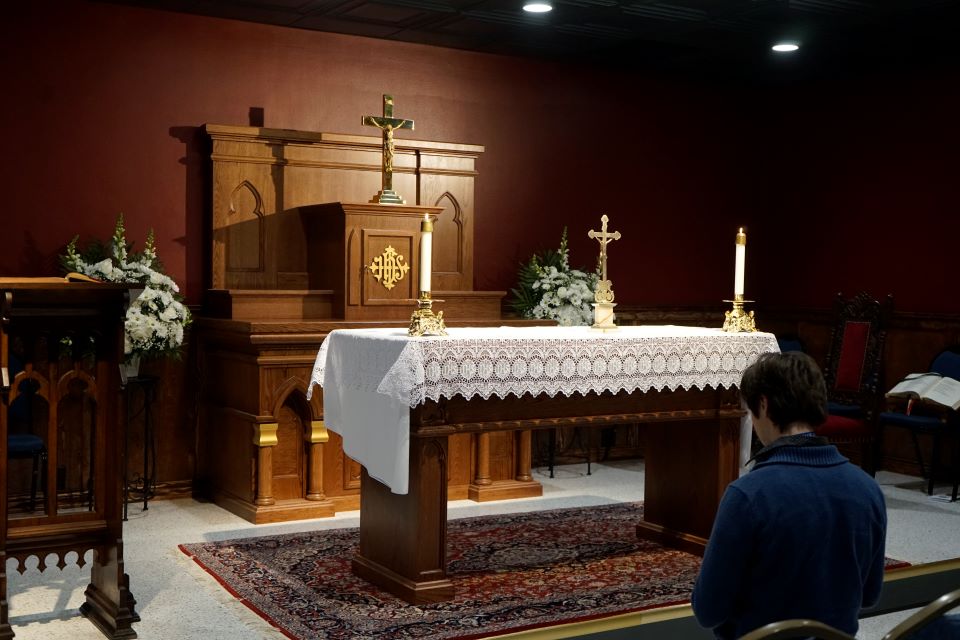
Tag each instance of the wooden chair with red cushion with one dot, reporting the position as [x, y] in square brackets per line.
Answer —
[853, 373]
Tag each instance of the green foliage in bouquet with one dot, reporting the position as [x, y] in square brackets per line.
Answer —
[548, 288]
[156, 319]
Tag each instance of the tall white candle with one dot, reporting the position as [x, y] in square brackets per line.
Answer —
[741, 263]
[426, 252]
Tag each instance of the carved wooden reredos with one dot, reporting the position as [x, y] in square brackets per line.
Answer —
[260, 173]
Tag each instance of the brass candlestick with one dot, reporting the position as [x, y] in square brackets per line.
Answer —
[737, 320]
[424, 322]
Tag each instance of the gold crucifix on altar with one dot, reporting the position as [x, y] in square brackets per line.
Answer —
[603, 297]
[387, 124]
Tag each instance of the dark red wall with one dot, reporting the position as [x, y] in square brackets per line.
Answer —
[864, 190]
[103, 105]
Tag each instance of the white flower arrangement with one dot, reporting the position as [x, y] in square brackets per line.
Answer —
[549, 289]
[156, 319]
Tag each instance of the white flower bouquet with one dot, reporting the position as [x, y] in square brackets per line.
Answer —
[548, 288]
[156, 319]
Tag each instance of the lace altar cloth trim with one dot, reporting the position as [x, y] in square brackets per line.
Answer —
[500, 361]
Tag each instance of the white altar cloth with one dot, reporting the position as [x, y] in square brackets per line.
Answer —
[372, 377]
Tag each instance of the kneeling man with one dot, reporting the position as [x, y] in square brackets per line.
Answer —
[801, 535]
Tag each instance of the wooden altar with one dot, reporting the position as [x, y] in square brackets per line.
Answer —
[397, 400]
[692, 451]
[60, 347]
[293, 240]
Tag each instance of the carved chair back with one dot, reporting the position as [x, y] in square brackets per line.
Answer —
[855, 358]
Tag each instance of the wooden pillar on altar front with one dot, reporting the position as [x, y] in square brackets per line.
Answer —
[315, 439]
[503, 467]
[265, 439]
[482, 478]
[524, 455]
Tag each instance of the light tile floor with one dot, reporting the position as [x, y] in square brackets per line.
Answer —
[177, 600]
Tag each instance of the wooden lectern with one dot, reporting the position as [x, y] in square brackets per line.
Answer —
[298, 251]
[60, 347]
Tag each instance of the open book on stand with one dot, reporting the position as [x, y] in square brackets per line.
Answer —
[929, 387]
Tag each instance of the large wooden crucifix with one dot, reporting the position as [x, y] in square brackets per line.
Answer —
[387, 124]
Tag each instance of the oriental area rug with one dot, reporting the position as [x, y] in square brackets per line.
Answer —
[511, 572]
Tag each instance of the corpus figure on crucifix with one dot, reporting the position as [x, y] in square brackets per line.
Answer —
[388, 124]
[604, 291]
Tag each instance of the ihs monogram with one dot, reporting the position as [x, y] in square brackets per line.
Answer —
[388, 268]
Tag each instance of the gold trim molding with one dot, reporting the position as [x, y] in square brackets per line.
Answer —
[265, 434]
[318, 432]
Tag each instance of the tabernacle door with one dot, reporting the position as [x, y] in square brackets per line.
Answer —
[367, 254]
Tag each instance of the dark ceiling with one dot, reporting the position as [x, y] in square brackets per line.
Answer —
[707, 37]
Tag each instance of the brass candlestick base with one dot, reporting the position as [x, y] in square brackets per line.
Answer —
[737, 320]
[424, 322]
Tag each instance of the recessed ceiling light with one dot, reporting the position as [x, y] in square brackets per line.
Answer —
[784, 47]
[537, 7]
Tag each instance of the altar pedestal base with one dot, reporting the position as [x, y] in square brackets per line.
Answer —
[504, 490]
[280, 511]
[711, 455]
[410, 559]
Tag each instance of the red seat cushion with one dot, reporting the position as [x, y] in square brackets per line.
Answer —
[842, 427]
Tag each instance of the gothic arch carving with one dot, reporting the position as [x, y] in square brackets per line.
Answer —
[245, 229]
[63, 385]
[77, 418]
[293, 393]
[449, 232]
[440, 452]
[29, 374]
[290, 463]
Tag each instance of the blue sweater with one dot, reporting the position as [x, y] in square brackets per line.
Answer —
[800, 536]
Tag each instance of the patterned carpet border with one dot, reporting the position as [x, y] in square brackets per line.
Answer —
[511, 572]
